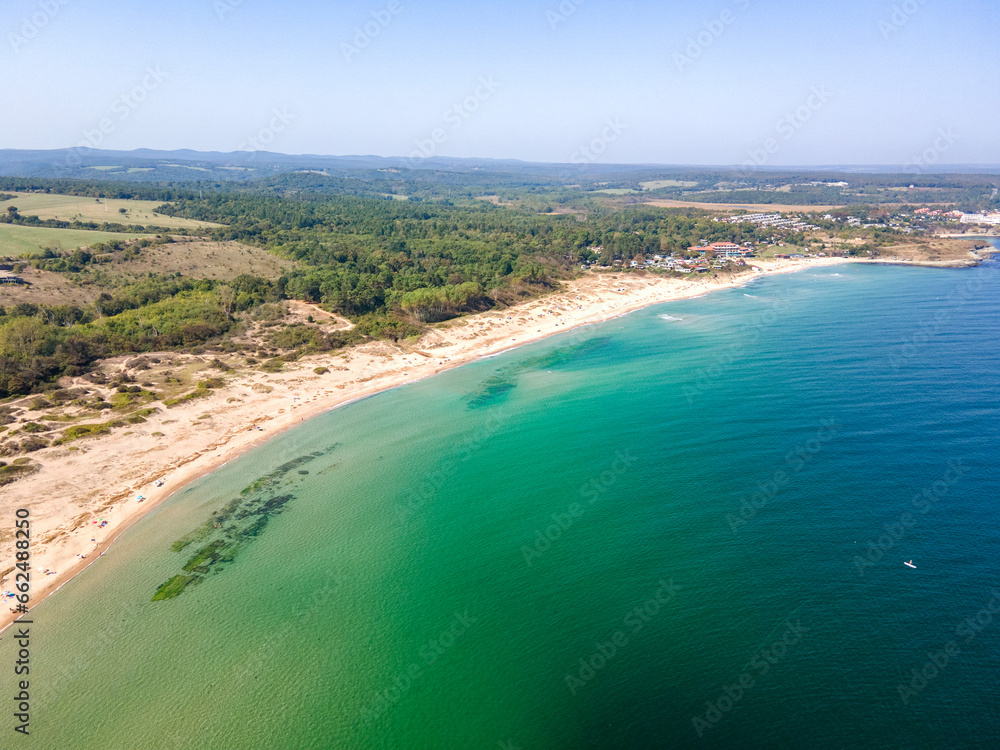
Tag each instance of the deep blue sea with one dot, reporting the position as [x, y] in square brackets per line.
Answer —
[683, 528]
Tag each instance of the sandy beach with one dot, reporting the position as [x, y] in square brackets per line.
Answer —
[87, 494]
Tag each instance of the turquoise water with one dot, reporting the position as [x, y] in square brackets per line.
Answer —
[685, 498]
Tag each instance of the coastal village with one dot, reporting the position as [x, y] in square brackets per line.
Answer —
[703, 258]
[708, 256]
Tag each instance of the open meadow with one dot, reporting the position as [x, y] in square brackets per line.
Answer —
[657, 184]
[219, 261]
[16, 240]
[82, 208]
[764, 208]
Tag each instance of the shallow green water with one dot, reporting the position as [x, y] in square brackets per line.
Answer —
[464, 542]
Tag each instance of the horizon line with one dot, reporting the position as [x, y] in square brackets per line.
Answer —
[938, 168]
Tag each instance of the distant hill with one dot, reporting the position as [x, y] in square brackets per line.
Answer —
[185, 165]
[153, 175]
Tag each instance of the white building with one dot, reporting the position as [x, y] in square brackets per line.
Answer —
[981, 218]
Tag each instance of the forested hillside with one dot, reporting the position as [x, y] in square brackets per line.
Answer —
[361, 255]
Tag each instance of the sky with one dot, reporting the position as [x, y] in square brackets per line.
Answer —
[763, 82]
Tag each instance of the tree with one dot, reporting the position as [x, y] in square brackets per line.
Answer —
[226, 298]
[21, 338]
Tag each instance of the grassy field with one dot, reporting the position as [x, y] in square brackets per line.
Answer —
[222, 261]
[17, 240]
[69, 207]
[654, 184]
[112, 169]
[47, 288]
[764, 208]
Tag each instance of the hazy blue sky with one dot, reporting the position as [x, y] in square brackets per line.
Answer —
[863, 81]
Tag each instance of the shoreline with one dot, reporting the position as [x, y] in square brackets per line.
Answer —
[971, 236]
[200, 452]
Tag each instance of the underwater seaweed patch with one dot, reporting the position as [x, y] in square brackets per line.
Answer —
[174, 587]
[493, 391]
[567, 354]
[235, 525]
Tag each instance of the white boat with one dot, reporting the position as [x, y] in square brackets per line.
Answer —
[910, 564]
